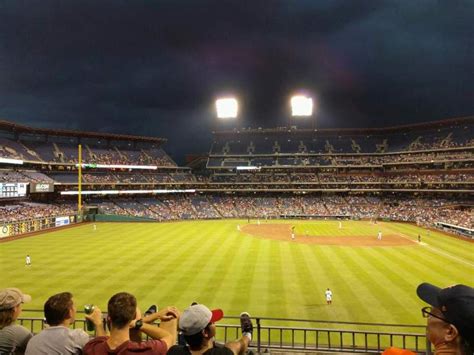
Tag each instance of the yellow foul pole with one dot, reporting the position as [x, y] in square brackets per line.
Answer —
[79, 181]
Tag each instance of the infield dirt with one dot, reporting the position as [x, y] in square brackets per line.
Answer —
[283, 232]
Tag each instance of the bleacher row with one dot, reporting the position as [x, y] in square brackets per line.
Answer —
[93, 153]
[334, 159]
[157, 178]
[292, 141]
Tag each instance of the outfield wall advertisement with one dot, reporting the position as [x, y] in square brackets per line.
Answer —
[34, 225]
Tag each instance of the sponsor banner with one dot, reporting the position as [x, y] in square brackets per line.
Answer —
[4, 231]
[62, 221]
[41, 187]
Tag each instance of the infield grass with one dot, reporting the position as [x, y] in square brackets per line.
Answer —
[211, 262]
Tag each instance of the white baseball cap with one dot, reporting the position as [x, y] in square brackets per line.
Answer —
[197, 317]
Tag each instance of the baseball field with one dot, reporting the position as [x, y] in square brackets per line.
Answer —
[238, 266]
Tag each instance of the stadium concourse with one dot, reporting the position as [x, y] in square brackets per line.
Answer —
[421, 173]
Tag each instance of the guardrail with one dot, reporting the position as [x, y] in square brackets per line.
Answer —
[306, 335]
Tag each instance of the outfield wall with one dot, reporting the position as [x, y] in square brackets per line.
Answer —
[16, 228]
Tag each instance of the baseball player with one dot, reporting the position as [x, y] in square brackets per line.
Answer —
[328, 294]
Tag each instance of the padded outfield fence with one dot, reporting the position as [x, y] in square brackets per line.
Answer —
[305, 335]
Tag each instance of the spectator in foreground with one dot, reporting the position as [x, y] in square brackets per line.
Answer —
[124, 319]
[58, 338]
[13, 338]
[450, 325]
[197, 323]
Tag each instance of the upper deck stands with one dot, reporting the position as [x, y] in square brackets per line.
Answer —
[312, 147]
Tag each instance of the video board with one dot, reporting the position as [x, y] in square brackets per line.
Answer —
[12, 189]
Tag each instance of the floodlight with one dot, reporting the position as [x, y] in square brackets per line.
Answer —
[227, 107]
[301, 105]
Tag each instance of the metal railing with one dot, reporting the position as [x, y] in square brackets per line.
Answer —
[307, 335]
[329, 336]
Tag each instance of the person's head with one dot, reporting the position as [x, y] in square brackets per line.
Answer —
[58, 308]
[197, 325]
[11, 300]
[450, 317]
[122, 309]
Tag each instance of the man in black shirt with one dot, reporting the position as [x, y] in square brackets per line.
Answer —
[197, 324]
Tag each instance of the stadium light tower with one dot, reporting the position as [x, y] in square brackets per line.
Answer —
[301, 106]
[227, 107]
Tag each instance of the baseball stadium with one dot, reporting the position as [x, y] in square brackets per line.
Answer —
[264, 177]
[266, 222]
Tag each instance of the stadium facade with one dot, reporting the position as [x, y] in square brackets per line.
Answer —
[421, 173]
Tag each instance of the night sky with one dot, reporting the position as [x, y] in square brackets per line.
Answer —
[155, 67]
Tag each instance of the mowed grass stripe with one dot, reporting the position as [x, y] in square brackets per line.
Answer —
[244, 275]
[161, 263]
[423, 265]
[333, 274]
[297, 274]
[189, 264]
[382, 271]
[457, 247]
[305, 281]
[276, 284]
[358, 271]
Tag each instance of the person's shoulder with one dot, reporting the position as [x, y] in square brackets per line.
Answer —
[94, 342]
[18, 329]
[219, 351]
[152, 344]
[178, 350]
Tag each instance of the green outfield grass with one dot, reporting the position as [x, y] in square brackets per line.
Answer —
[213, 263]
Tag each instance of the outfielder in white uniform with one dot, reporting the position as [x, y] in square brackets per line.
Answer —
[28, 260]
[379, 236]
[328, 294]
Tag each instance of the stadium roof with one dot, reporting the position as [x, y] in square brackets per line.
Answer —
[18, 128]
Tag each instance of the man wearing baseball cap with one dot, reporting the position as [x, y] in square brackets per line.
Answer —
[197, 326]
[450, 326]
[13, 338]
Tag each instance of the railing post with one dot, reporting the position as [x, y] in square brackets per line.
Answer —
[258, 336]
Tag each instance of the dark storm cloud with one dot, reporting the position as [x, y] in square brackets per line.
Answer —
[154, 67]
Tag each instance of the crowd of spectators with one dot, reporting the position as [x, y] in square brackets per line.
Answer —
[419, 210]
[128, 331]
[29, 210]
[328, 178]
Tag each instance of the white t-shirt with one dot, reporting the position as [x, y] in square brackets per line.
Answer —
[328, 294]
[57, 340]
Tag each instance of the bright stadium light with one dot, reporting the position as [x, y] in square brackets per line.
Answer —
[227, 107]
[301, 105]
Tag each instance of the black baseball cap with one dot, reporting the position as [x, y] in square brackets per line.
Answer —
[455, 302]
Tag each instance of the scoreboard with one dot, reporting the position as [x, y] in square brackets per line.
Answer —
[13, 189]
